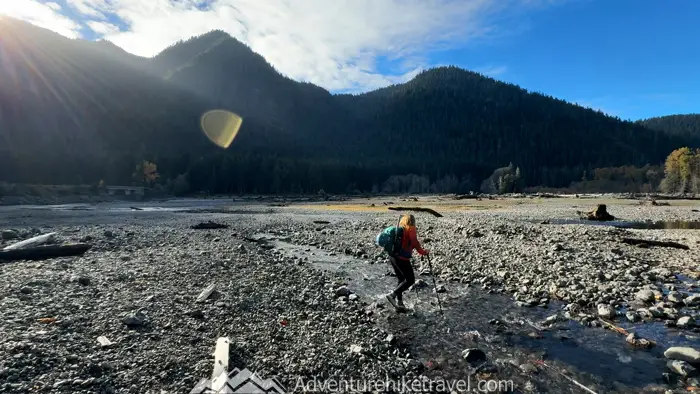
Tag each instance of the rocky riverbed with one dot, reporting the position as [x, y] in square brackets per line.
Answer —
[298, 292]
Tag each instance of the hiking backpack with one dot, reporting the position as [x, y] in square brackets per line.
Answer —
[390, 239]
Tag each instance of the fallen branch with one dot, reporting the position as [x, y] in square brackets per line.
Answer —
[647, 242]
[209, 226]
[44, 252]
[572, 380]
[428, 210]
[632, 338]
[34, 241]
[321, 222]
[613, 327]
[466, 197]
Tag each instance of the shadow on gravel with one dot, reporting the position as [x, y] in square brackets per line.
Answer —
[650, 225]
[510, 335]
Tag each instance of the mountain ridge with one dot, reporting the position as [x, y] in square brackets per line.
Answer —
[444, 123]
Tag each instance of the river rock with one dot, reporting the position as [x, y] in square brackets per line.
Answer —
[633, 316]
[343, 292]
[645, 295]
[693, 300]
[682, 368]
[675, 297]
[685, 322]
[135, 319]
[7, 235]
[606, 311]
[683, 354]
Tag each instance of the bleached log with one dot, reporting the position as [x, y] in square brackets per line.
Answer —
[34, 241]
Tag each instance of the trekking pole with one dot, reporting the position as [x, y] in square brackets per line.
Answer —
[432, 273]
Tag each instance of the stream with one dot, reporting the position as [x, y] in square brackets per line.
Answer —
[513, 338]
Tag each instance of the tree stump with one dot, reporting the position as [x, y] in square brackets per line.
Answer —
[600, 214]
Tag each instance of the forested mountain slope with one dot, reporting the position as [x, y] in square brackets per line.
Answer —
[78, 111]
[686, 126]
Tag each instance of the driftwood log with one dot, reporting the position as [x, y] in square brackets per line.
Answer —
[466, 197]
[34, 241]
[600, 213]
[209, 226]
[44, 252]
[417, 209]
[648, 242]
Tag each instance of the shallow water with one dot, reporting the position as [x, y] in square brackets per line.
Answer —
[595, 357]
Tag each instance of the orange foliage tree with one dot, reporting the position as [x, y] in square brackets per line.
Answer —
[682, 171]
[146, 173]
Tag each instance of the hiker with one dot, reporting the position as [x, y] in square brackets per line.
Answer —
[401, 261]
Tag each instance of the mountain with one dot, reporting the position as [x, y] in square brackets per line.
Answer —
[687, 126]
[78, 111]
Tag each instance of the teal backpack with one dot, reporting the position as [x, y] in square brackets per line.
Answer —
[390, 239]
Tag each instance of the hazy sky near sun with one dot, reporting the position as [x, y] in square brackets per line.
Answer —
[630, 58]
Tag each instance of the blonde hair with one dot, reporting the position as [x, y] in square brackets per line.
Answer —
[407, 221]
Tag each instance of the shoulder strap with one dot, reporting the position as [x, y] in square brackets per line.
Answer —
[396, 236]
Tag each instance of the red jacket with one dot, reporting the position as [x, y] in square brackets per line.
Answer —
[410, 242]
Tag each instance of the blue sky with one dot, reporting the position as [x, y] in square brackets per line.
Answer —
[630, 58]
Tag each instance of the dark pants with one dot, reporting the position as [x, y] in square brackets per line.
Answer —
[404, 273]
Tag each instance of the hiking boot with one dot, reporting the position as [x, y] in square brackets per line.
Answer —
[399, 304]
[392, 299]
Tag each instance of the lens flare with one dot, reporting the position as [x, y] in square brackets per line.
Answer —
[221, 126]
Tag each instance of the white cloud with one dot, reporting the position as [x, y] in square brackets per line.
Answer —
[103, 28]
[334, 44]
[90, 8]
[46, 15]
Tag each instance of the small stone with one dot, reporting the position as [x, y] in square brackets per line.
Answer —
[7, 235]
[353, 297]
[528, 368]
[26, 290]
[675, 297]
[682, 368]
[683, 354]
[633, 316]
[61, 383]
[104, 341]
[473, 355]
[606, 311]
[355, 349]
[693, 300]
[135, 319]
[552, 319]
[343, 292]
[685, 322]
[108, 234]
[645, 295]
